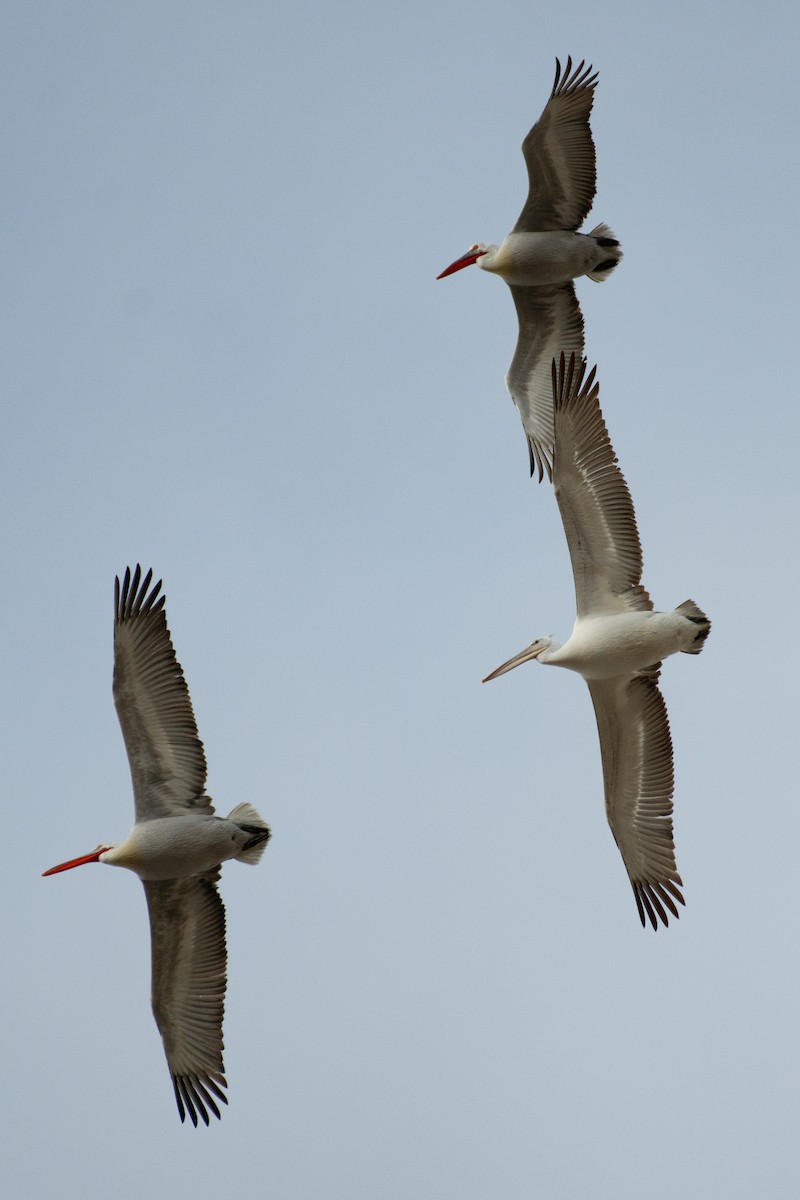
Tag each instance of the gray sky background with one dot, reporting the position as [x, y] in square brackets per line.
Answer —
[226, 357]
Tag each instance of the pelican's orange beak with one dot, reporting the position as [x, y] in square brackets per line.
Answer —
[466, 260]
[526, 655]
[78, 862]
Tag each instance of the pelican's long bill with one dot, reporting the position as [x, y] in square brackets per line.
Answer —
[526, 655]
[466, 260]
[77, 862]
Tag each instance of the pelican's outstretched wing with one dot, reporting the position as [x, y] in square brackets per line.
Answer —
[550, 322]
[559, 154]
[187, 928]
[636, 750]
[595, 504]
[166, 757]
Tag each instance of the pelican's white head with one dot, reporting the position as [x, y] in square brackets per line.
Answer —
[535, 650]
[481, 253]
[95, 856]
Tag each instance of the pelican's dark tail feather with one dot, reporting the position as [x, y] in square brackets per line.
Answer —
[611, 254]
[246, 817]
[696, 615]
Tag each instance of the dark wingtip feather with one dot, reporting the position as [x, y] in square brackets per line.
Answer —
[571, 81]
[653, 898]
[131, 599]
[179, 1101]
[539, 460]
[194, 1095]
[638, 903]
[571, 384]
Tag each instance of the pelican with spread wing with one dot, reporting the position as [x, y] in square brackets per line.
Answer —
[176, 846]
[618, 641]
[544, 252]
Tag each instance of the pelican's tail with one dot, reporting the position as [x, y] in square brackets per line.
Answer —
[608, 252]
[246, 817]
[696, 615]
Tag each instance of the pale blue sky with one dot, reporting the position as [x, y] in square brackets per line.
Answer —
[227, 358]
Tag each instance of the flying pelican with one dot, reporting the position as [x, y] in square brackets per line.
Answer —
[544, 252]
[618, 641]
[176, 845]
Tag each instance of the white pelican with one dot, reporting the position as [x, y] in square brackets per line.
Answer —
[544, 252]
[618, 641]
[176, 845]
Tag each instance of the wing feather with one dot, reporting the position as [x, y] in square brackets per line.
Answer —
[636, 751]
[560, 156]
[166, 756]
[550, 322]
[593, 497]
[187, 928]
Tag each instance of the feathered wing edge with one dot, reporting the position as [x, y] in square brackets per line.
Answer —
[638, 773]
[559, 152]
[187, 927]
[550, 321]
[165, 753]
[593, 498]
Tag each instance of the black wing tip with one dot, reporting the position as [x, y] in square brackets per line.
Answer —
[652, 900]
[571, 384]
[131, 598]
[193, 1094]
[541, 460]
[573, 81]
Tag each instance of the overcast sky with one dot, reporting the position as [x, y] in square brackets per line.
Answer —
[227, 358]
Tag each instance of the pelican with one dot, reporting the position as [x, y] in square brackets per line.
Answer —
[176, 845]
[544, 252]
[617, 642]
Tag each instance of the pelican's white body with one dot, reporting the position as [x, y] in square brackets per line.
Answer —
[544, 259]
[618, 642]
[604, 647]
[176, 847]
[544, 253]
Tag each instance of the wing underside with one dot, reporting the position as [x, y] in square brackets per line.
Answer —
[166, 757]
[187, 927]
[636, 751]
[560, 156]
[593, 497]
[550, 322]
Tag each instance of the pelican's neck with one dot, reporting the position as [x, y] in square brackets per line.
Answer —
[550, 652]
[491, 260]
[120, 854]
